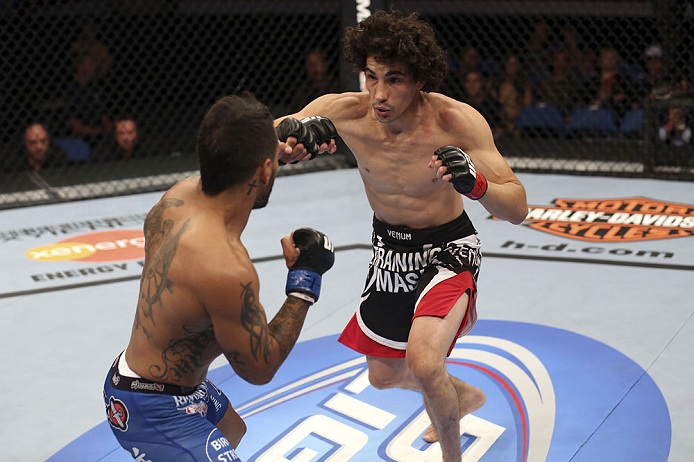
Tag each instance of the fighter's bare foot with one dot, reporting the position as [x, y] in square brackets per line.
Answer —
[473, 399]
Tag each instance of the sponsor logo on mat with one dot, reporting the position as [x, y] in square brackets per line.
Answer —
[100, 246]
[613, 220]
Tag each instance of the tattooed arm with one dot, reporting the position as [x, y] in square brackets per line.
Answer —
[269, 343]
[254, 348]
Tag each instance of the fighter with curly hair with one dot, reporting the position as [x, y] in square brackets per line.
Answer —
[418, 153]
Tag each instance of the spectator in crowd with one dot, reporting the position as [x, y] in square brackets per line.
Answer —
[38, 152]
[125, 143]
[88, 43]
[676, 130]
[581, 59]
[513, 91]
[319, 80]
[86, 114]
[562, 88]
[611, 88]
[655, 83]
[537, 57]
[470, 60]
[477, 96]
[588, 67]
[125, 133]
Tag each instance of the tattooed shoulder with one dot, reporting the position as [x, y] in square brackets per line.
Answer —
[153, 221]
[160, 249]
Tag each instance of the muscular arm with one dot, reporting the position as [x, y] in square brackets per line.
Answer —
[287, 323]
[268, 344]
[506, 201]
[335, 106]
[322, 106]
[254, 348]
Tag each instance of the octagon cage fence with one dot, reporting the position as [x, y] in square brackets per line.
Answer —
[104, 98]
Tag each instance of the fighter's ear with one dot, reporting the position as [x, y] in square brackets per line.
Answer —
[265, 170]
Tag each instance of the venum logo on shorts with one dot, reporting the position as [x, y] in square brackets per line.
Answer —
[613, 220]
[117, 414]
[400, 235]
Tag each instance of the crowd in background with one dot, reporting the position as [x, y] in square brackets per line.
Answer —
[77, 127]
[570, 77]
[561, 73]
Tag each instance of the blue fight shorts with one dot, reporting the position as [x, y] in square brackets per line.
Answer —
[161, 422]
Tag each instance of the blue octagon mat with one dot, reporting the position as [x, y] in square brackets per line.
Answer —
[552, 395]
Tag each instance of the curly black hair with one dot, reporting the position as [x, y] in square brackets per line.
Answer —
[398, 38]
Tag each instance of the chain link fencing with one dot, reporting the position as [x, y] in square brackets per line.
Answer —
[104, 98]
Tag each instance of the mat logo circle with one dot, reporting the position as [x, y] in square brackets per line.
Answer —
[541, 405]
[101, 246]
[552, 395]
[526, 380]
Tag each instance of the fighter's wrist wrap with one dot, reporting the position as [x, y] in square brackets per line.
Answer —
[465, 179]
[304, 284]
[316, 256]
[479, 189]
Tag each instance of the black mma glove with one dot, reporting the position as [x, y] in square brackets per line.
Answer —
[311, 132]
[316, 256]
[465, 179]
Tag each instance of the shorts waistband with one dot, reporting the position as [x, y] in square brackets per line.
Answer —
[400, 235]
[140, 385]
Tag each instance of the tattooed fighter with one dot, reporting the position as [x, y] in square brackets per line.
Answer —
[199, 297]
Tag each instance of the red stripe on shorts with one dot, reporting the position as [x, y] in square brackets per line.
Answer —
[353, 337]
[441, 298]
[437, 302]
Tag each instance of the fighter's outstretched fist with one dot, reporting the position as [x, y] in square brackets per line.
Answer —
[309, 254]
[302, 140]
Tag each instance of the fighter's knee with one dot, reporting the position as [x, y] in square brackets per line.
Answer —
[423, 368]
[380, 382]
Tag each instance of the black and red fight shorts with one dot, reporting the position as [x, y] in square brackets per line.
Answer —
[414, 272]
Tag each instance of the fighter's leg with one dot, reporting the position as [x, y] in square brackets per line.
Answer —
[470, 399]
[446, 398]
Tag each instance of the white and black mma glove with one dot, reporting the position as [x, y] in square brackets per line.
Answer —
[465, 179]
[311, 132]
[316, 256]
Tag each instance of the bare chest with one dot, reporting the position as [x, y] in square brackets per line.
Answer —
[397, 164]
